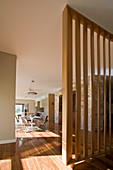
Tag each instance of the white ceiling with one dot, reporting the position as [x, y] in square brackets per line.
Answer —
[32, 29]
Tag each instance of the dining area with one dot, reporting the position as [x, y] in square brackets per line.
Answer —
[30, 122]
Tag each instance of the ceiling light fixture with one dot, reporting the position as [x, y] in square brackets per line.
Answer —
[32, 93]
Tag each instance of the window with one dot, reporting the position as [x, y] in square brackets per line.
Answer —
[19, 108]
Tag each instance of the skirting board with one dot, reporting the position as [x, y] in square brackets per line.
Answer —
[8, 141]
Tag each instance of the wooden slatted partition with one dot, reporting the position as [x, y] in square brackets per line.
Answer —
[83, 148]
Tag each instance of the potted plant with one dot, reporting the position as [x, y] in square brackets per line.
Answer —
[32, 115]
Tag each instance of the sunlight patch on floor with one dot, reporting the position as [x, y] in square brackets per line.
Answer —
[5, 164]
[31, 134]
[43, 162]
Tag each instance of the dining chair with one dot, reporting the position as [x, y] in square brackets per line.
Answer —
[42, 121]
[25, 123]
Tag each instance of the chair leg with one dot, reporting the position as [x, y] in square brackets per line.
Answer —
[24, 128]
[45, 126]
[39, 125]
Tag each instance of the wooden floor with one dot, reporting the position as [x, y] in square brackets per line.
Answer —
[38, 149]
[41, 149]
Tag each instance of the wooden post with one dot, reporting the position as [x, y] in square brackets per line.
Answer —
[51, 107]
[109, 55]
[78, 90]
[92, 93]
[104, 64]
[98, 68]
[67, 87]
[38, 106]
[85, 78]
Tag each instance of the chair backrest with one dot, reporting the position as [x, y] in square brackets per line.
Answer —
[44, 118]
[24, 120]
[16, 120]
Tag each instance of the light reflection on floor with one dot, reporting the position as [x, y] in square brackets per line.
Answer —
[5, 164]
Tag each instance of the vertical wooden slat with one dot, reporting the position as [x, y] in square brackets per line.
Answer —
[92, 94]
[104, 65]
[99, 114]
[78, 90]
[67, 87]
[109, 92]
[85, 78]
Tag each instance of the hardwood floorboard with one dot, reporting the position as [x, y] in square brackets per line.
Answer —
[110, 157]
[106, 162]
[97, 164]
[84, 166]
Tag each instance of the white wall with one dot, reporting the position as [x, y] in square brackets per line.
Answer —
[44, 103]
[7, 96]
